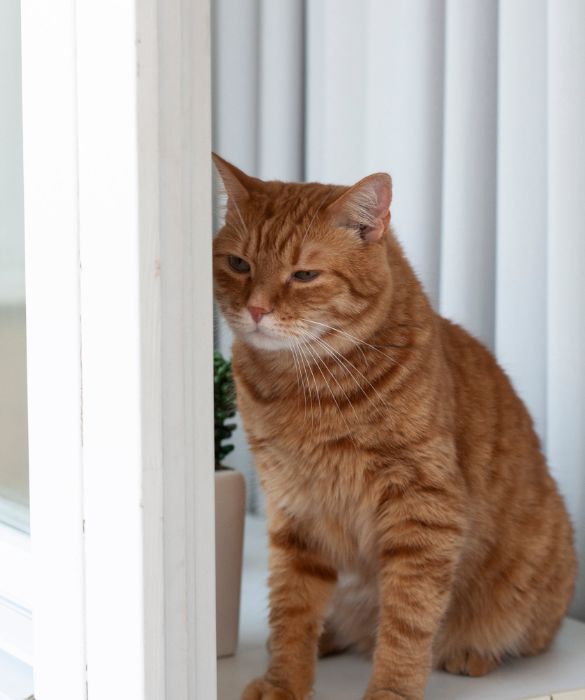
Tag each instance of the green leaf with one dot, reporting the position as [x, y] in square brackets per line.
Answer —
[224, 404]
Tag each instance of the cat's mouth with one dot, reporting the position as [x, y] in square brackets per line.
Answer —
[264, 339]
[270, 333]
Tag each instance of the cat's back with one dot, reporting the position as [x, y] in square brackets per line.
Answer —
[495, 436]
[484, 395]
[520, 535]
[500, 456]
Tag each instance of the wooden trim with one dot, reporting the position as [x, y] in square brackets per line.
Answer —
[187, 329]
[118, 239]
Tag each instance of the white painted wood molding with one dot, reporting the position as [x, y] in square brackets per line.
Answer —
[15, 594]
[117, 142]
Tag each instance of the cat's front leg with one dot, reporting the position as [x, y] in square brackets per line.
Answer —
[421, 531]
[301, 583]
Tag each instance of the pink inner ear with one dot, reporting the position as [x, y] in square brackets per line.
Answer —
[365, 206]
[375, 232]
[382, 186]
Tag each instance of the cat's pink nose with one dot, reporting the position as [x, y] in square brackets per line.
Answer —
[256, 312]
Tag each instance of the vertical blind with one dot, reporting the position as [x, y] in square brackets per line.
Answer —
[476, 109]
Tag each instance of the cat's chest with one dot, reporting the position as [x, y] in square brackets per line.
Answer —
[314, 472]
[332, 499]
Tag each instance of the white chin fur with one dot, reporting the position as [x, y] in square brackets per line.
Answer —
[262, 341]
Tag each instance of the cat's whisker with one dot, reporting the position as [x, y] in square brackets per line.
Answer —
[345, 361]
[320, 360]
[306, 365]
[342, 361]
[301, 363]
[357, 340]
[316, 387]
[299, 372]
[318, 363]
[294, 356]
[374, 405]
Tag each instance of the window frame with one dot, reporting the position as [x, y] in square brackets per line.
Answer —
[117, 176]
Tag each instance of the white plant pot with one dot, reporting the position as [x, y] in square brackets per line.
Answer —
[230, 506]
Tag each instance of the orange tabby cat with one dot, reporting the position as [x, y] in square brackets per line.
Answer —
[410, 508]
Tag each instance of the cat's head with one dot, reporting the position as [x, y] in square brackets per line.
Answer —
[296, 262]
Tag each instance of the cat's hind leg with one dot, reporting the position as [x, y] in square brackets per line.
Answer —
[466, 645]
[330, 642]
[469, 662]
[352, 617]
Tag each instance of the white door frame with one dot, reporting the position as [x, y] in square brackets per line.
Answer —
[116, 115]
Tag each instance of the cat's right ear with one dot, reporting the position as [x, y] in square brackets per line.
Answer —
[237, 184]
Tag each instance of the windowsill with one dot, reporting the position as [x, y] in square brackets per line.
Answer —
[345, 677]
[14, 514]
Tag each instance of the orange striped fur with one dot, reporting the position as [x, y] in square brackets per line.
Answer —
[411, 512]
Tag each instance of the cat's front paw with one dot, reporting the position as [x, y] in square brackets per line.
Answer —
[261, 689]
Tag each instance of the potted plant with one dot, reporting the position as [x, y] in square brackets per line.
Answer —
[230, 504]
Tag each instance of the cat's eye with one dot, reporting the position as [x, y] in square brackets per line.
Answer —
[238, 264]
[305, 275]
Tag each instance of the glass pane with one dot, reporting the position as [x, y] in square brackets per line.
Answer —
[13, 418]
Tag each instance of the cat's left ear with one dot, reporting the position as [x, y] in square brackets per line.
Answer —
[237, 184]
[365, 207]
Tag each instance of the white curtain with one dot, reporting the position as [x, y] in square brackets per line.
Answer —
[477, 110]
